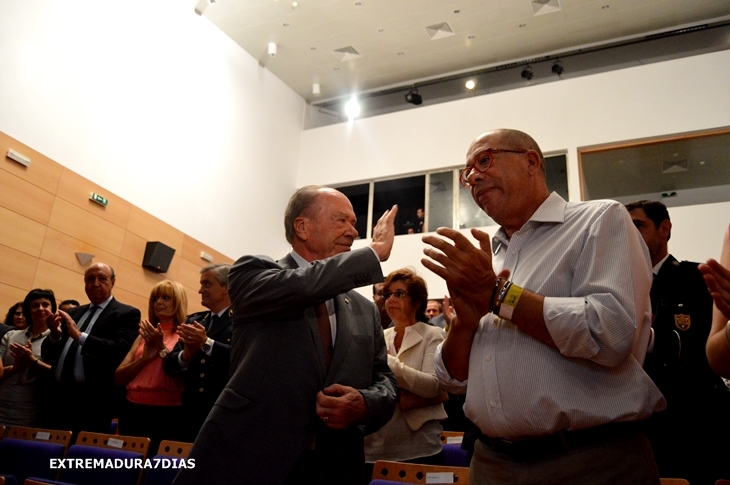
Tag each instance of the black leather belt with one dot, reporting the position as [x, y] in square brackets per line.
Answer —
[532, 448]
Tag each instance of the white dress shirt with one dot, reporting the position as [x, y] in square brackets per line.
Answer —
[588, 261]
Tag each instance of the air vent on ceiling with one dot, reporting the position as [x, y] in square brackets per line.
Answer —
[439, 31]
[346, 53]
[541, 7]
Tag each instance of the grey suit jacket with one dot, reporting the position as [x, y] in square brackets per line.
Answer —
[266, 417]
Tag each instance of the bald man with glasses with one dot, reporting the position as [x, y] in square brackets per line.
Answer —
[553, 320]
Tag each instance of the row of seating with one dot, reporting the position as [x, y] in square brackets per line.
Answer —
[32, 456]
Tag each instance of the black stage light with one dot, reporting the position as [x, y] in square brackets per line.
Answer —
[413, 97]
[558, 68]
[527, 73]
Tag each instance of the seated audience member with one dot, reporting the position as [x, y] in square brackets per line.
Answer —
[153, 401]
[14, 320]
[717, 276]
[413, 432]
[697, 399]
[66, 305]
[23, 376]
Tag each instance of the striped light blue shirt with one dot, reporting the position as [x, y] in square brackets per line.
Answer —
[589, 262]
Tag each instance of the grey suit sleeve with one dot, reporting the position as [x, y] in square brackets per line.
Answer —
[263, 290]
[383, 395]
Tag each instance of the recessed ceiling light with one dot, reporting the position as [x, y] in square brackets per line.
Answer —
[605, 7]
[358, 4]
[401, 53]
[471, 37]
[702, 162]
[470, 84]
[294, 4]
[381, 30]
[522, 25]
[457, 11]
[335, 68]
[312, 48]
[286, 25]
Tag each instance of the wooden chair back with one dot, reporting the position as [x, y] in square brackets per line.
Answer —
[127, 443]
[40, 434]
[177, 449]
[673, 481]
[417, 474]
[451, 437]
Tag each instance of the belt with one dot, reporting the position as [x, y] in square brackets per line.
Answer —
[532, 448]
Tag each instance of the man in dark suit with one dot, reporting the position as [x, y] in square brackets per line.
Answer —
[84, 349]
[310, 375]
[203, 353]
[683, 437]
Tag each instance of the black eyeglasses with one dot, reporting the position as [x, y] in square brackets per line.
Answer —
[484, 161]
[399, 294]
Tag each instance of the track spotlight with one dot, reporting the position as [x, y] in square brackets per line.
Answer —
[413, 97]
[272, 49]
[470, 84]
[557, 68]
[527, 73]
[315, 89]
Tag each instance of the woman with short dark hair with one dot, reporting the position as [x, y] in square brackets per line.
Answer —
[22, 381]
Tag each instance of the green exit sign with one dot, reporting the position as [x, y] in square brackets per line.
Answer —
[99, 199]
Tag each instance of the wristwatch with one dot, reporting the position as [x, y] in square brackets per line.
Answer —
[163, 353]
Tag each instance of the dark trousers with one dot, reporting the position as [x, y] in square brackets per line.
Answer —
[338, 458]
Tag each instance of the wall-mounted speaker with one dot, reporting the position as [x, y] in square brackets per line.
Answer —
[157, 256]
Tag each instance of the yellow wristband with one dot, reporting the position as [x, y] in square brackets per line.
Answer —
[507, 307]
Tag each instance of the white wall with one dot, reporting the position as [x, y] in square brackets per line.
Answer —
[158, 106]
[657, 99]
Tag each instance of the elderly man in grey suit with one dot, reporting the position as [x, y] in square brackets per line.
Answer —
[309, 371]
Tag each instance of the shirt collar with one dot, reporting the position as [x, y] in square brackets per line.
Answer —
[103, 304]
[658, 266]
[551, 210]
[301, 262]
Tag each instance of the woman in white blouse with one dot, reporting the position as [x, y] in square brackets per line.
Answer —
[412, 434]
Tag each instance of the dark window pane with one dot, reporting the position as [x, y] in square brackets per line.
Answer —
[409, 193]
[441, 200]
[358, 195]
[556, 174]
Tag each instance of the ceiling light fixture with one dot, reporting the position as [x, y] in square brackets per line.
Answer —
[352, 109]
[315, 89]
[557, 67]
[413, 97]
[527, 73]
[294, 4]
[470, 84]
[272, 49]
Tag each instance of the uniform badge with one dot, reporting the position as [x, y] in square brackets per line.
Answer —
[682, 321]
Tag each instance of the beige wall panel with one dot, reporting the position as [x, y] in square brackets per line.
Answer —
[194, 305]
[189, 274]
[60, 249]
[76, 189]
[191, 249]
[133, 248]
[66, 284]
[21, 233]
[128, 298]
[9, 296]
[135, 279]
[151, 228]
[84, 226]
[43, 172]
[26, 199]
[17, 269]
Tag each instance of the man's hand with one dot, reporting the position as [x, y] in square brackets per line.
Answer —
[62, 316]
[718, 282]
[193, 337]
[466, 269]
[341, 407]
[384, 233]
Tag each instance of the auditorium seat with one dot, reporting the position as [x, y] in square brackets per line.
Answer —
[385, 472]
[28, 451]
[168, 450]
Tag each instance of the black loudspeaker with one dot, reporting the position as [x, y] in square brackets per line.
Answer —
[157, 257]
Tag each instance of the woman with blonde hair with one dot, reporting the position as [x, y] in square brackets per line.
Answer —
[154, 398]
[412, 434]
